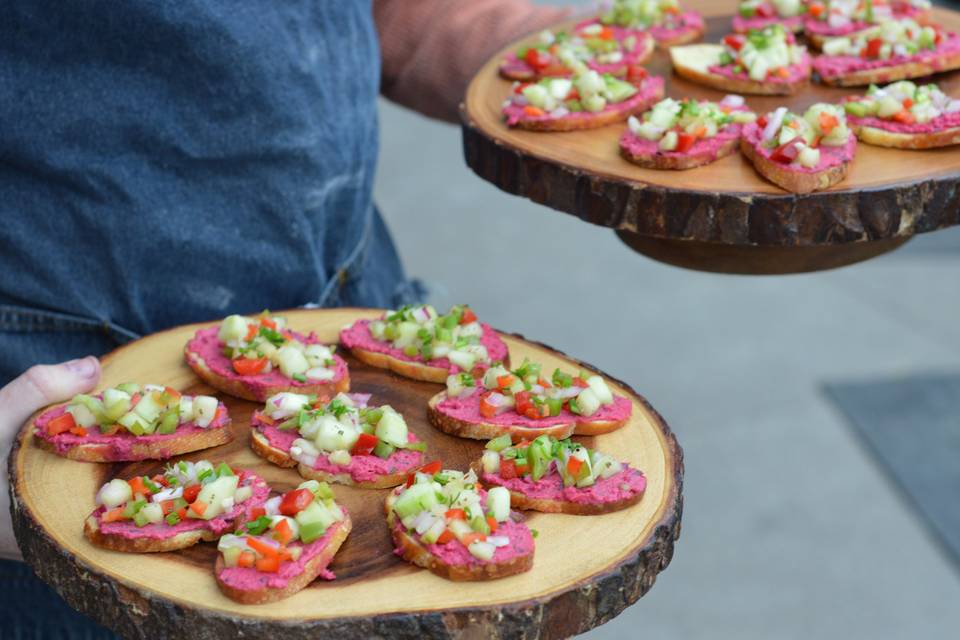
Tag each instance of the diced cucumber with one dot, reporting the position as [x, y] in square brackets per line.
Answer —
[594, 103]
[436, 530]
[606, 466]
[133, 508]
[539, 455]
[204, 410]
[334, 436]
[479, 524]
[836, 46]
[140, 520]
[233, 329]
[490, 462]
[291, 361]
[243, 494]
[462, 359]
[340, 457]
[93, 405]
[599, 386]
[743, 117]
[417, 498]
[498, 503]
[152, 511]
[133, 423]
[314, 521]
[82, 416]
[129, 387]
[490, 376]
[618, 90]
[809, 157]
[114, 493]
[150, 407]
[482, 550]
[499, 443]
[231, 555]
[383, 450]
[213, 495]
[669, 141]
[377, 328]
[320, 374]
[587, 402]
[115, 403]
[169, 421]
[310, 485]
[889, 107]
[392, 429]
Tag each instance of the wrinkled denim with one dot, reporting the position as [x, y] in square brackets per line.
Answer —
[174, 161]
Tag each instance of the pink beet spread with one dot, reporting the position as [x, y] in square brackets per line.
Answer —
[120, 445]
[637, 146]
[622, 486]
[743, 25]
[940, 123]
[650, 91]
[467, 409]
[218, 526]
[795, 73]
[249, 579]
[836, 66]
[361, 468]
[829, 156]
[454, 553]
[357, 336]
[207, 346]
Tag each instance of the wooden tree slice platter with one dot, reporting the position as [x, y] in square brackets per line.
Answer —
[586, 569]
[722, 217]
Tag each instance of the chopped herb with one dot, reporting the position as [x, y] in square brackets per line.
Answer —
[258, 526]
[299, 377]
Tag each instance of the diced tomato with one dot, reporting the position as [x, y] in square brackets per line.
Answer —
[816, 9]
[828, 123]
[606, 34]
[113, 515]
[787, 152]
[293, 502]
[533, 112]
[508, 469]
[492, 523]
[782, 72]
[524, 404]
[905, 117]
[431, 467]
[167, 506]
[268, 322]
[685, 141]
[505, 381]
[544, 383]
[251, 332]
[537, 59]
[573, 94]
[78, 431]
[261, 547]
[135, 399]
[137, 486]
[470, 538]
[468, 316]
[573, 466]
[182, 513]
[218, 414]
[520, 87]
[734, 41]
[455, 514]
[161, 480]
[61, 424]
[636, 73]
[246, 559]
[873, 47]
[268, 564]
[190, 493]
[282, 532]
[764, 11]
[762, 122]
[249, 366]
[199, 507]
[580, 382]
[173, 393]
[284, 554]
[522, 469]
[908, 103]
[487, 410]
[364, 445]
[554, 70]
[257, 512]
[445, 537]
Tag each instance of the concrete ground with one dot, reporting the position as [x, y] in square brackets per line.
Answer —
[790, 530]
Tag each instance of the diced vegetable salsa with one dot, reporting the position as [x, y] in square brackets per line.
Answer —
[771, 8]
[559, 53]
[259, 345]
[577, 465]
[903, 102]
[281, 528]
[643, 14]
[890, 39]
[677, 125]
[420, 332]
[588, 90]
[763, 54]
[797, 140]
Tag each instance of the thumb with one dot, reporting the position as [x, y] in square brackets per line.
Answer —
[46, 384]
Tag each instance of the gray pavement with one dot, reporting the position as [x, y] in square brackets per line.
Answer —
[790, 529]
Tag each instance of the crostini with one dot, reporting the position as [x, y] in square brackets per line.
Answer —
[893, 50]
[764, 62]
[342, 441]
[188, 503]
[759, 14]
[559, 476]
[905, 116]
[801, 154]
[133, 422]
[836, 18]
[665, 20]
[586, 101]
[417, 342]
[253, 358]
[685, 134]
[288, 544]
[561, 54]
[525, 405]
[443, 521]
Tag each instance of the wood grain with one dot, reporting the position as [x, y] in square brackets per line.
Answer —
[575, 583]
[890, 193]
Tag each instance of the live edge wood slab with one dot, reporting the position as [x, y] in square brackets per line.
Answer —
[586, 569]
[722, 217]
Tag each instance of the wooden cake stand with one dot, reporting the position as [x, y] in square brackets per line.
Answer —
[587, 569]
[723, 217]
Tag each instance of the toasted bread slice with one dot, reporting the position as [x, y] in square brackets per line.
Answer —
[405, 368]
[794, 181]
[681, 161]
[919, 67]
[160, 448]
[311, 571]
[692, 29]
[693, 62]
[523, 502]
[413, 551]
[480, 430]
[901, 140]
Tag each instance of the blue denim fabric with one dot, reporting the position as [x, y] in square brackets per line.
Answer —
[173, 161]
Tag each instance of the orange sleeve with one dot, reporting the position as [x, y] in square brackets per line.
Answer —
[431, 48]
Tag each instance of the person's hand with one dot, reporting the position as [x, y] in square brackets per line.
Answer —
[39, 386]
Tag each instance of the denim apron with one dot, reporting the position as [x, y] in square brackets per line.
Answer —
[174, 161]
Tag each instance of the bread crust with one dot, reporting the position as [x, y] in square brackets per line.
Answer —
[886, 75]
[405, 368]
[685, 37]
[312, 570]
[236, 388]
[740, 85]
[682, 162]
[595, 121]
[412, 551]
[262, 447]
[488, 431]
[522, 502]
[794, 181]
[93, 533]
[175, 446]
[896, 140]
